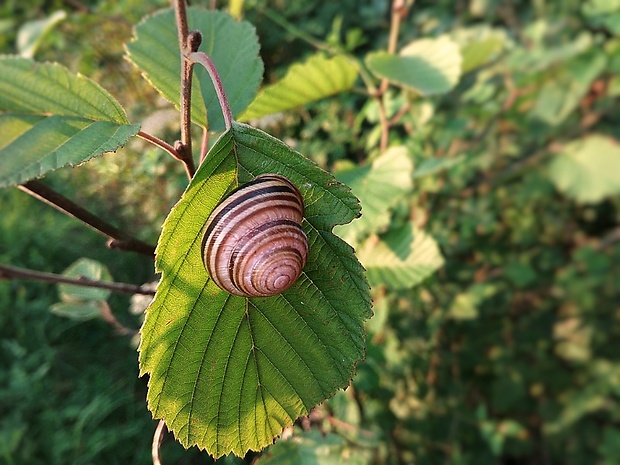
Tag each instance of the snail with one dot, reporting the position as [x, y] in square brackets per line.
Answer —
[253, 244]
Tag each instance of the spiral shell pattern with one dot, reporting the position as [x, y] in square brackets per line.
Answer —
[253, 244]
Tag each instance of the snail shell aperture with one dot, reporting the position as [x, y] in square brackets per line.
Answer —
[253, 244]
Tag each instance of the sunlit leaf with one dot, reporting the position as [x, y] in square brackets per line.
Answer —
[32, 33]
[50, 117]
[228, 373]
[588, 170]
[232, 45]
[379, 186]
[316, 78]
[401, 258]
[428, 66]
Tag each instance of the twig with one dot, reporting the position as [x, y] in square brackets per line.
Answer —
[13, 272]
[108, 316]
[161, 144]
[185, 147]
[118, 238]
[204, 60]
[399, 10]
[157, 438]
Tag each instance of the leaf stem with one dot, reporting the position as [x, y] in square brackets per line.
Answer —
[13, 272]
[157, 438]
[184, 149]
[118, 238]
[160, 143]
[202, 59]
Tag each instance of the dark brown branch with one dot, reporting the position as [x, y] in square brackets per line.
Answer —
[185, 147]
[13, 272]
[118, 238]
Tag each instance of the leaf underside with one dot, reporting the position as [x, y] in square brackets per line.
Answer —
[233, 46]
[317, 78]
[428, 66]
[50, 118]
[229, 373]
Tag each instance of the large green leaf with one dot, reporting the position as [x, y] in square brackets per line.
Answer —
[228, 373]
[428, 66]
[233, 47]
[379, 186]
[316, 78]
[401, 258]
[50, 118]
[588, 170]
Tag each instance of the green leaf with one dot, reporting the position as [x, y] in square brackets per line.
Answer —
[379, 186]
[561, 94]
[428, 66]
[317, 78]
[401, 258]
[85, 268]
[588, 170]
[232, 45]
[479, 45]
[80, 311]
[435, 165]
[50, 118]
[32, 33]
[229, 373]
[311, 448]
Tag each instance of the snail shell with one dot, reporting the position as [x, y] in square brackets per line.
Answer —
[253, 244]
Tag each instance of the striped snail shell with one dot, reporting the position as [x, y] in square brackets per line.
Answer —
[253, 244]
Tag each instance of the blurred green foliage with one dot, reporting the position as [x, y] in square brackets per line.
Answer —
[509, 354]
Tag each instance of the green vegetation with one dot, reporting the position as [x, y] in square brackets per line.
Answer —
[490, 231]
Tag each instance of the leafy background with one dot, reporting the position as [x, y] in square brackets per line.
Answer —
[507, 354]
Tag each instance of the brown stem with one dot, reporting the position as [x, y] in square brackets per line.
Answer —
[205, 145]
[185, 147]
[157, 438]
[160, 143]
[204, 60]
[108, 316]
[399, 10]
[13, 272]
[118, 238]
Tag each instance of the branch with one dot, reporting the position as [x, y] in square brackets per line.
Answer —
[118, 238]
[185, 44]
[13, 272]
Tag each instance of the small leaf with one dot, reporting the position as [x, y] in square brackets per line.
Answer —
[401, 258]
[479, 45]
[317, 78]
[311, 448]
[85, 268]
[561, 94]
[32, 33]
[50, 118]
[379, 186]
[80, 311]
[435, 165]
[229, 373]
[588, 170]
[232, 45]
[428, 66]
